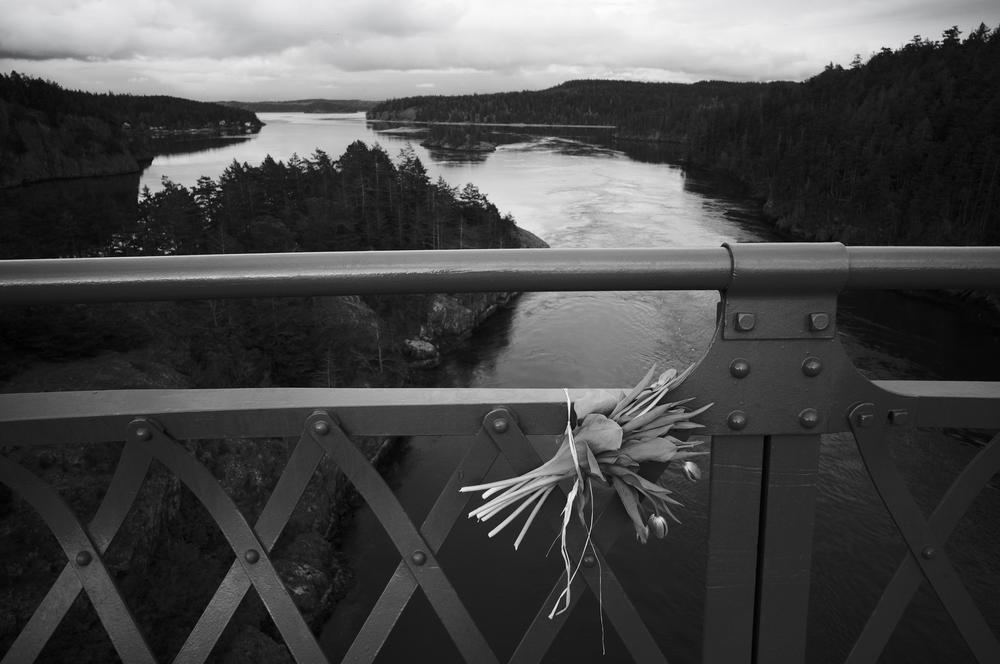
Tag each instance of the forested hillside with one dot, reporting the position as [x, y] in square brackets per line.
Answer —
[361, 201]
[48, 132]
[901, 149]
[636, 109]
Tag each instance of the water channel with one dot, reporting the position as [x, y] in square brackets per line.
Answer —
[576, 194]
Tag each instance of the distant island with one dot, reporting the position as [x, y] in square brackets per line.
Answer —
[903, 148]
[304, 106]
[464, 143]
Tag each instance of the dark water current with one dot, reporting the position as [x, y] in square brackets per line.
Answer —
[575, 194]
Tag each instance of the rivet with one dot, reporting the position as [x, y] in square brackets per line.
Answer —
[866, 419]
[251, 556]
[811, 366]
[898, 416]
[745, 321]
[736, 420]
[589, 560]
[809, 418]
[500, 425]
[321, 427]
[143, 433]
[819, 321]
[419, 558]
[83, 558]
[928, 553]
[739, 368]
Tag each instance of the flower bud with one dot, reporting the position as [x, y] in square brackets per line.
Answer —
[692, 470]
[658, 525]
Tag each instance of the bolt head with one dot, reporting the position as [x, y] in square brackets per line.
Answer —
[500, 425]
[83, 558]
[811, 366]
[866, 419]
[745, 322]
[739, 368]
[809, 418]
[251, 556]
[143, 433]
[736, 420]
[928, 553]
[819, 321]
[589, 560]
[898, 416]
[321, 427]
[419, 558]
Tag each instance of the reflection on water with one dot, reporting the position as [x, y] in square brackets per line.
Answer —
[440, 156]
[918, 337]
[166, 147]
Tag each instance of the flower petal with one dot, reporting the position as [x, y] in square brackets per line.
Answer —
[599, 433]
[657, 449]
[595, 401]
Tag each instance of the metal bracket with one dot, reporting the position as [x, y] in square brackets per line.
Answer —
[797, 303]
[787, 317]
[774, 361]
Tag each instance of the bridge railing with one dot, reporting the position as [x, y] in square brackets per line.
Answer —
[775, 370]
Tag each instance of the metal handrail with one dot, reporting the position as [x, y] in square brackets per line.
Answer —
[470, 270]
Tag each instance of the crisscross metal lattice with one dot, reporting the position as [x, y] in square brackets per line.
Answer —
[926, 558]
[500, 435]
[321, 435]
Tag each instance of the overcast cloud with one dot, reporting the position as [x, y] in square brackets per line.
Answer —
[373, 49]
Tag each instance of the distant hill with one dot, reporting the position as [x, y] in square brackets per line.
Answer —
[48, 132]
[636, 109]
[304, 106]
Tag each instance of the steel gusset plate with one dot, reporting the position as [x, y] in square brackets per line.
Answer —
[85, 569]
[925, 541]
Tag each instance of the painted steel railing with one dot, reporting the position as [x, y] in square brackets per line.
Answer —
[775, 370]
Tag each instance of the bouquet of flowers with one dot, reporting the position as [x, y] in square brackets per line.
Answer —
[614, 435]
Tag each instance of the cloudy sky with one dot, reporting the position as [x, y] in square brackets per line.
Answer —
[373, 49]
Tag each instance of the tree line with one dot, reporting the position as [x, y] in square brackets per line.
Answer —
[901, 148]
[361, 201]
[53, 103]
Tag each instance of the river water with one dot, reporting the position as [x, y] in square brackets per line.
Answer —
[575, 194]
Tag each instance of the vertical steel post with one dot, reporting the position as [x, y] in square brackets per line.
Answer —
[731, 577]
[774, 358]
[785, 552]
